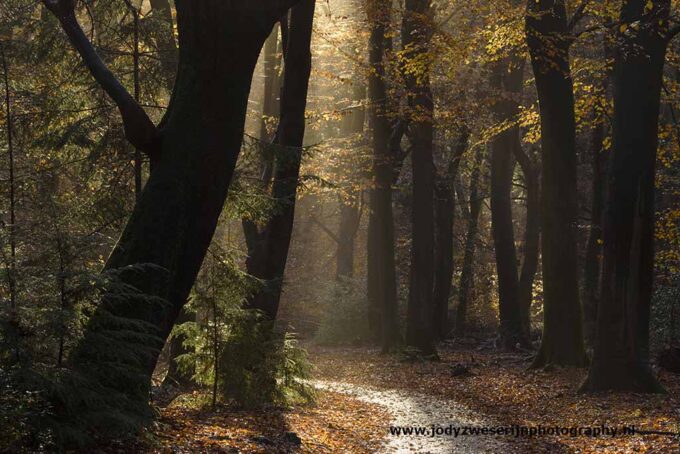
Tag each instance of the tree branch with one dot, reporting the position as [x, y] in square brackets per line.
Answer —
[328, 231]
[578, 15]
[672, 32]
[251, 234]
[139, 129]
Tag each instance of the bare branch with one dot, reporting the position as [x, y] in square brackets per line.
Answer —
[328, 231]
[139, 129]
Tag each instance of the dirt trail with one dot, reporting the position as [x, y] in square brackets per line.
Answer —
[408, 409]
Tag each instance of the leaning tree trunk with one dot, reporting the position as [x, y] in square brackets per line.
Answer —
[621, 353]
[444, 219]
[467, 271]
[548, 41]
[168, 55]
[416, 33]
[194, 154]
[507, 79]
[267, 259]
[381, 271]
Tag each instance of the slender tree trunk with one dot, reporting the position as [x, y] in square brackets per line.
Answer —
[591, 269]
[351, 204]
[621, 354]
[267, 260]
[272, 85]
[136, 93]
[467, 271]
[548, 40]
[381, 272]
[507, 79]
[11, 266]
[415, 36]
[165, 40]
[176, 376]
[173, 222]
[270, 109]
[350, 217]
[531, 238]
[444, 219]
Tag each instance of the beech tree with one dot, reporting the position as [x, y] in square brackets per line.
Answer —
[416, 33]
[381, 271]
[549, 38]
[268, 246]
[507, 79]
[467, 270]
[621, 352]
[193, 152]
[445, 209]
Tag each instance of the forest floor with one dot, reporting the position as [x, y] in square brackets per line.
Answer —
[363, 393]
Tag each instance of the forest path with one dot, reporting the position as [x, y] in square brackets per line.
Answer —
[411, 409]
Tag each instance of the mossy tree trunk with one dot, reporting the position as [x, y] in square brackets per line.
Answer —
[194, 152]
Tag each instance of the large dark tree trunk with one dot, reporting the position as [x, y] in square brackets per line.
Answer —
[381, 272]
[467, 271]
[507, 80]
[592, 266]
[168, 54]
[548, 40]
[269, 253]
[621, 354]
[445, 209]
[194, 152]
[416, 33]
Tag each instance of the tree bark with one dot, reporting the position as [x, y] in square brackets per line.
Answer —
[592, 266]
[507, 80]
[532, 231]
[467, 271]
[621, 353]
[381, 272]
[548, 40]
[165, 41]
[11, 266]
[351, 205]
[416, 32]
[176, 376]
[444, 219]
[267, 260]
[168, 233]
[350, 216]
